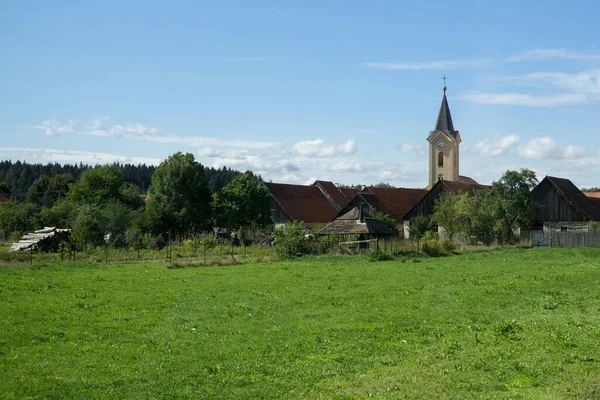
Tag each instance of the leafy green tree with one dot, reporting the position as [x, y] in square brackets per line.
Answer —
[97, 186]
[516, 204]
[179, 199]
[48, 189]
[387, 221]
[481, 208]
[243, 203]
[290, 241]
[452, 214]
[88, 228]
[117, 218]
[4, 188]
[17, 217]
[61, 215]
[131, 195]
[417, 227]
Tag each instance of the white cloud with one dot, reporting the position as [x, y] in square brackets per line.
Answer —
[525, 99]
[552, 54]
[580, 82]
[94, 128]
[498, 145]
[546, 148]
[346, 166]
[32, 154]
[257, 163]
[319, 148]
[390, 175]
[209, 152]
[411, 148]
[428, 65]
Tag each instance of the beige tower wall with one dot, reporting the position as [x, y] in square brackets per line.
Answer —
[450, 170]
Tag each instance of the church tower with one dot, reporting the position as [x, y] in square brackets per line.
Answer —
[444, 144]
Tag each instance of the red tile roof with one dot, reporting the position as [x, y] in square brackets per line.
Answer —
[302, 203]
[336, 194]
[593, 195]
[395, 202]
[467, 179]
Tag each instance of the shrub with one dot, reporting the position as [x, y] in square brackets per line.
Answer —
[290, 241]
[157, 242]
[380, 256]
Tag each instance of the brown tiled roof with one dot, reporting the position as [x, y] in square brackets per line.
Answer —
[593, 195]
[587, 206]
[349, 193]
[462, 186]
[349, 223]
[467, 179]
[395, 202]
[302, 203]
[4, 197]
[336, 194]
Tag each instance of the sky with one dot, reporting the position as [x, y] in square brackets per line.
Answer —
[346, 91]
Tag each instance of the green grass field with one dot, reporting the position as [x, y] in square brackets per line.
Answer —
[510, 324]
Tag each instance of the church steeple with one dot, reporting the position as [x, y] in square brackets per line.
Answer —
[444, 143]
[444, 119]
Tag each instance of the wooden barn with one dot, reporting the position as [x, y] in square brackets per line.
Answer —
[394, 202]
[563, 207]
[313, 205]
[427, 204]
[357, 222]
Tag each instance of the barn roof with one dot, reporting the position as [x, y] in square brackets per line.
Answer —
[302, 203]
[352, 223]
[338, 196]
[587, 206]
[442, 186]
[395, 202]
[467, 179]
[462, 186]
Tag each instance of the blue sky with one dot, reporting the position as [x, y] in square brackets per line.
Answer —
[340, 90]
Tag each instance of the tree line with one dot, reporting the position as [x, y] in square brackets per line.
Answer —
[19, 176]
[100, 205]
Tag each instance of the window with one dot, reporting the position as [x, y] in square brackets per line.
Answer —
[440, 177]
[440, 159]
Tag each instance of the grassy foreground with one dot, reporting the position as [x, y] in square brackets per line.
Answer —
[505, 324]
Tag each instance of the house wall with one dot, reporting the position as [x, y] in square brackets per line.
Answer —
[566, 226]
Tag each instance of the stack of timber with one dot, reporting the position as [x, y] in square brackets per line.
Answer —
[44, 239]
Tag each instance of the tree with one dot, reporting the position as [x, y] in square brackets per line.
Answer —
[515, 203]
[242, 204]
[179, 199]
[97, 186]
[47, 189]
[61, 215]
[417, 227]
[117, 218]
[451, 212]
[88, 228]
[16, 217]
[131, 195]
[481, 214]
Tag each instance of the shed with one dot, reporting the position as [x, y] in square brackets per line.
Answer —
[356, 222]
[562, 206]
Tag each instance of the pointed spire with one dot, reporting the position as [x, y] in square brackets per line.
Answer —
[444, 120]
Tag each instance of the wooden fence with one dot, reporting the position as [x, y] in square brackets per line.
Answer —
[575, 239]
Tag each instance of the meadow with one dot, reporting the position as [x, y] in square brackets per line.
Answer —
[503, 324]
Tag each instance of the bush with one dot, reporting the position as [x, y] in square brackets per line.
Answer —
[380, 256]
[157, 242]
[431, 244]
[290, 241]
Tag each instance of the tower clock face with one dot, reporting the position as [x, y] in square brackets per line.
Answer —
[441, 144]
